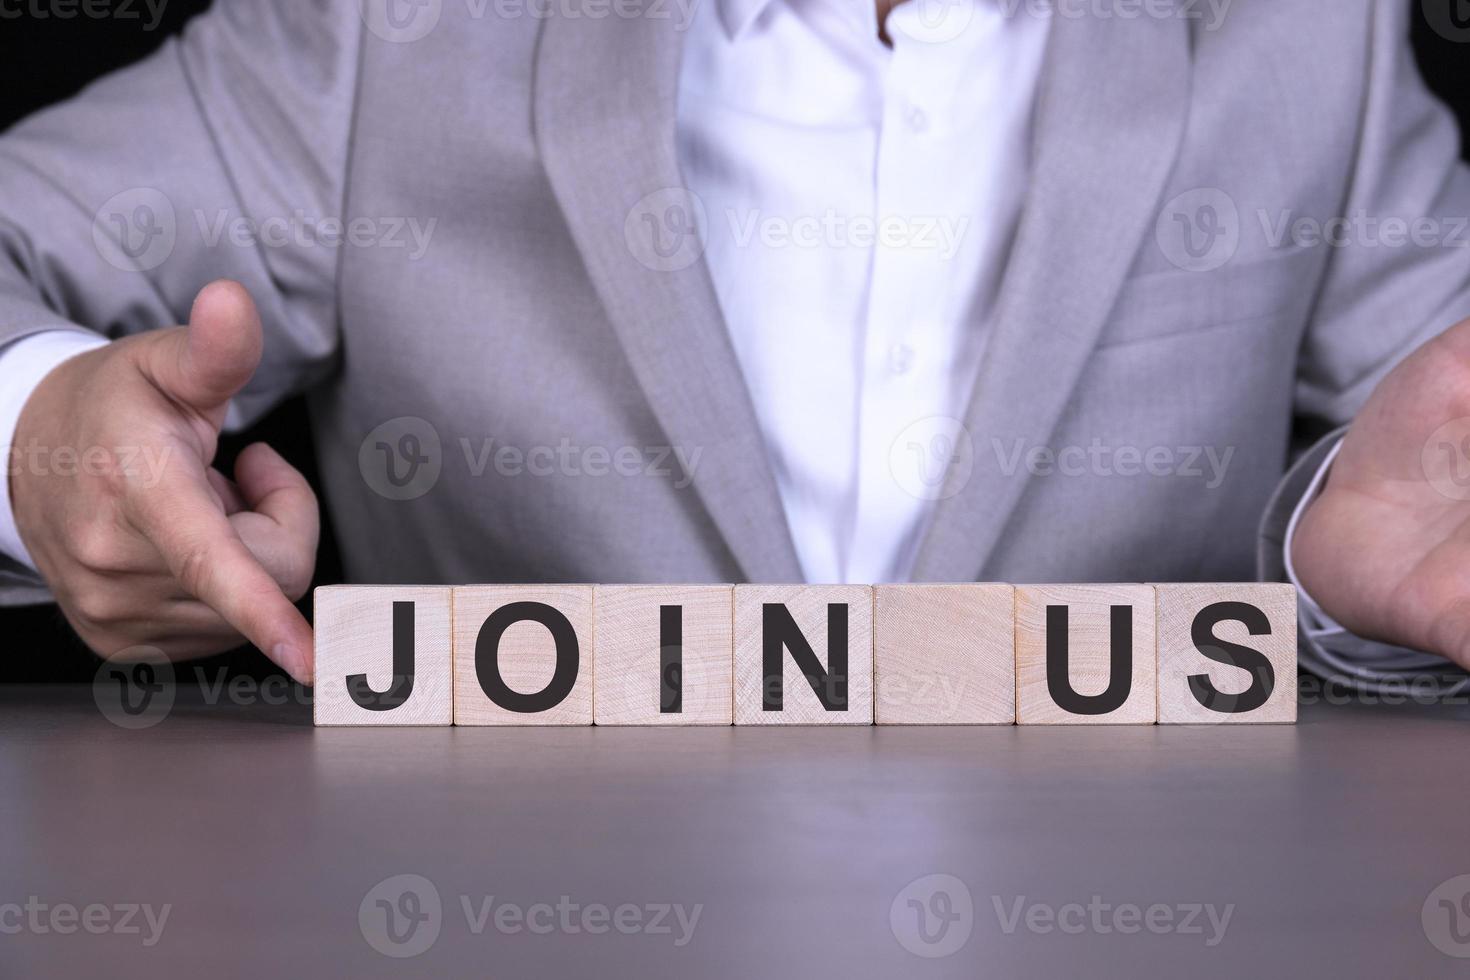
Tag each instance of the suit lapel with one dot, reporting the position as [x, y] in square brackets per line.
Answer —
[1110, 116]
[604, 113]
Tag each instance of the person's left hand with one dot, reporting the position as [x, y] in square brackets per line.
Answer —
[1385, 548]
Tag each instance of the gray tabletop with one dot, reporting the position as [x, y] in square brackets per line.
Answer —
[275, 848]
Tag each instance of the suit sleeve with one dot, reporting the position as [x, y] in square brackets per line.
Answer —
[1383, 296]
[217, 156]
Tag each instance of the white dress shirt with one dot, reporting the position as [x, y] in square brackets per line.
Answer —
[860, 203]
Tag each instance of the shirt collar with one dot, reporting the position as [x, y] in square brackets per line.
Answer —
[737, 15]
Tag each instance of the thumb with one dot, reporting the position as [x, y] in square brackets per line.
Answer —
[205, 364]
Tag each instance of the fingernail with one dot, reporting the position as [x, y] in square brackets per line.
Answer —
[290, 660]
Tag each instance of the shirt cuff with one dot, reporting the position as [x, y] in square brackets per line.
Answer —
[1314, 616]
[1344, 654]
[24, 364]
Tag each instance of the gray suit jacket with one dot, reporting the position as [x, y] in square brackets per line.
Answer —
[1151, 314]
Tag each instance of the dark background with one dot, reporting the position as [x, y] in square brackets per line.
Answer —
[46, 56]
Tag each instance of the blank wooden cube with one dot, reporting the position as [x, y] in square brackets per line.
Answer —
[382, 655]
[807, 616]
[944, 654]
[530, 646]
[1227, 654]
[663, 654]
[1087, 681]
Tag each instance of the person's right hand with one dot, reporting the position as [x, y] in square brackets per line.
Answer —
[141, 541]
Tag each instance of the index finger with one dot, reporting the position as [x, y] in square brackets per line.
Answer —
[185, 523]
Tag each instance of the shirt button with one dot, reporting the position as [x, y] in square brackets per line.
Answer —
[900, 358]
[917, 119]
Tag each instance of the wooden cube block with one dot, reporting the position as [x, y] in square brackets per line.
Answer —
[382, 655]
[944, 654]
[1085, 655]
[803, 655]
[663, 654]
[1227, 654]
[523, 655]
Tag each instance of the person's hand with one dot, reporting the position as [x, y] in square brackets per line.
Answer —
[140, 540]
[1385, 548]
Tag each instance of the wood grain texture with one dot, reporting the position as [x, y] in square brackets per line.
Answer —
[808, 605]
[353, 626]
[1089, 652]
[527, 654]
[627, 678]
[1179, 657]
[944, 654]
